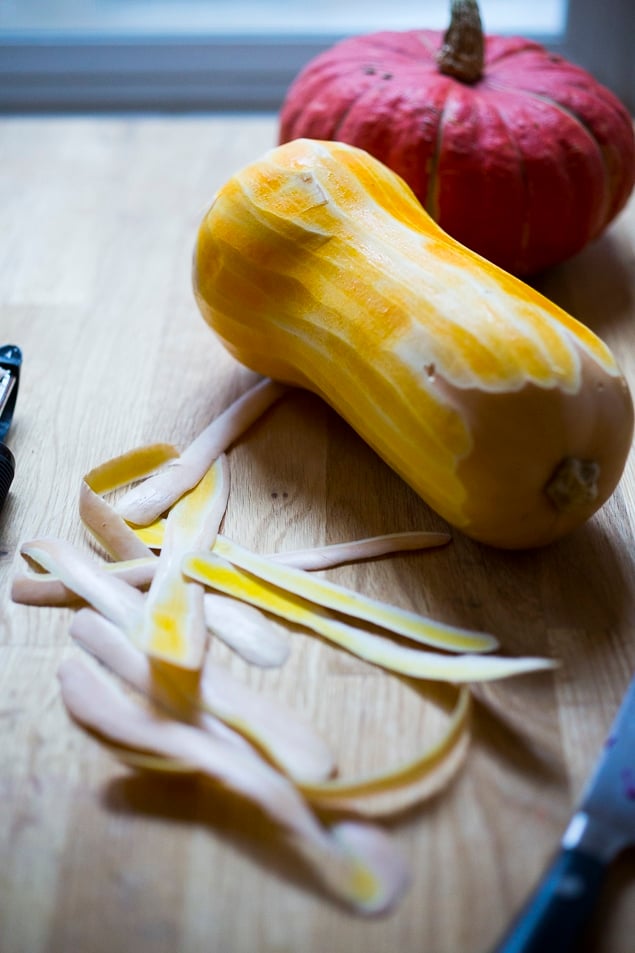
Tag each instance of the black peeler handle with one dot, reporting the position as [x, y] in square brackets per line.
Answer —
[10, 362]
[7, 471]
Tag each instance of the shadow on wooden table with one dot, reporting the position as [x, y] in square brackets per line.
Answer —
[595, 286]
[578, 583]
[210, 810]
[581, 583]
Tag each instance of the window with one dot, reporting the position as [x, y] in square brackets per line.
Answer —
[242, 54]
[249, 17]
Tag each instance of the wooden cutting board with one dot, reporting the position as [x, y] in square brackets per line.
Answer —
[97, 224]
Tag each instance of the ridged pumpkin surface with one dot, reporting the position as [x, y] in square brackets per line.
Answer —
[316, 265]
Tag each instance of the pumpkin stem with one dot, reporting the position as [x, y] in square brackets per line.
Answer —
[573, 484]
[462, 52]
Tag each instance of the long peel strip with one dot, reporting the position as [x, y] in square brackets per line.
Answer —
[211, 701]
[174, 627]
[145, 503]
[336, 554]
[114, 598]
[213, 571]
[131, 465]
[405, 785]
[381, 795]
[322, 592]
[245, 629]
[250, 633]
[47, 589]
[354, 860]
[107, 643]
[315, 558]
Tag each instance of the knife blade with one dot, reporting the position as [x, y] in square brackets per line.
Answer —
[602, 825]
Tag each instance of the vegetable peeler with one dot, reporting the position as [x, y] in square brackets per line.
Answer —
[10, 363]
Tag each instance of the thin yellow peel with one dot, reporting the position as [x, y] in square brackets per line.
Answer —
[407, 784]
[129, 466]
[211, 570]
[174, 627]
[333, 554]
[105, 524]
[351, 603]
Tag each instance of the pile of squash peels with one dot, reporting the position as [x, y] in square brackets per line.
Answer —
[171, 581]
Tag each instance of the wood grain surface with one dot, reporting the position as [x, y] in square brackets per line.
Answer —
[97, 225]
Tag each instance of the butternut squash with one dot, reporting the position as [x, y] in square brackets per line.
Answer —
[317, 266]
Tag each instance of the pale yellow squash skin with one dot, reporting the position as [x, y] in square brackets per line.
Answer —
[317, 266]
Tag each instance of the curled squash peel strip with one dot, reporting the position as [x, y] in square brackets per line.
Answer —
[207, 723]
[384, 794]
[117, 538]
[146, 502]
[355, 861]
[216, 701]
[409, 783]
[47, 589]
[40, 589]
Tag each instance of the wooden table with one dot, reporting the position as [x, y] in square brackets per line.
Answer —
[97, 224]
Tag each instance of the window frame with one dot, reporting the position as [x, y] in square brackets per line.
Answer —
[249, 72]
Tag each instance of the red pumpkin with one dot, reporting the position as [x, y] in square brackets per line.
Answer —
[516, 152]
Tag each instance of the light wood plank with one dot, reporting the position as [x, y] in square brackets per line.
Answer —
[98, 219]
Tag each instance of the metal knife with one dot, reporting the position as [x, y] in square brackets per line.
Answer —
[602, 826]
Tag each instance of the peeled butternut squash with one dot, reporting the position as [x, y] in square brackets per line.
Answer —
[317, 266]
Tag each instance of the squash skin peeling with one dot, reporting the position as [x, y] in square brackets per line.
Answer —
[317, 266]
[193, 717]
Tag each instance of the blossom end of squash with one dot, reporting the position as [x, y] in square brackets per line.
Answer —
[573, 484]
